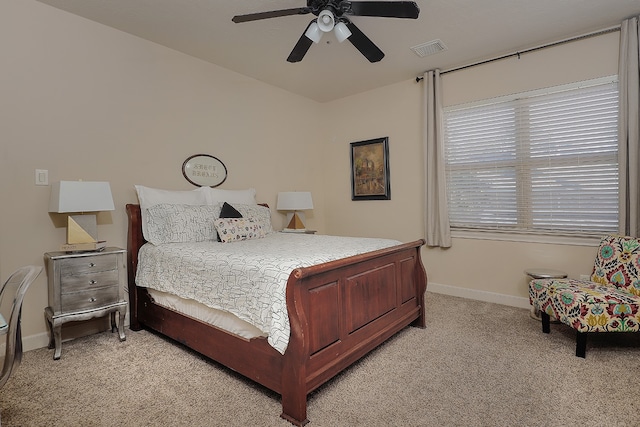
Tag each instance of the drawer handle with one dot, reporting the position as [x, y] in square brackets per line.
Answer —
[92, 264]
[93, 299]
[93, 282]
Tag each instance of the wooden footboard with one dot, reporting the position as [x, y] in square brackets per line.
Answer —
[341, 310]
[338, 312]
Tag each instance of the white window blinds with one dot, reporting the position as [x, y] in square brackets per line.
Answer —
[536, 162]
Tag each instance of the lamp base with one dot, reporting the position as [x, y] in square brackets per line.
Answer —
[84, 247]
[82, 229]
[295, 223]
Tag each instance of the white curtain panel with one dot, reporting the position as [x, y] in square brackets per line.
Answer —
[438, 232]
[629, 127]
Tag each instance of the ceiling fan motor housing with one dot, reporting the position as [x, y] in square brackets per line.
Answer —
[336, 7]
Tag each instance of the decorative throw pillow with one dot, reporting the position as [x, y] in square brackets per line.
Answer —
[229, 211]
[167, 223]
[236, 229]
[261, 214]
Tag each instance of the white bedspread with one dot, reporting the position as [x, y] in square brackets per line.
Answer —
[247, 278]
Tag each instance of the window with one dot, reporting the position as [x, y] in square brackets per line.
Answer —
[536, 162]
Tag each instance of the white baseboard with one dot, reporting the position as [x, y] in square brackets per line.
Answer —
[41, 340]
[475, 294]
[31, 342]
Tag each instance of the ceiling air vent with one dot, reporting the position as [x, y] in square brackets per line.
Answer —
[429, 48]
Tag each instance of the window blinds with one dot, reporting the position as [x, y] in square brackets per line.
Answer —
[536, 162]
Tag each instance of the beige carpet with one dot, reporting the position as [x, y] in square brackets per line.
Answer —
[476, 364]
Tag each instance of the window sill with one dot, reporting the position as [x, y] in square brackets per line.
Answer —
[557, 239]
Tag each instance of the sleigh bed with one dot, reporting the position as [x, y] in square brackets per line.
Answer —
[338, 311]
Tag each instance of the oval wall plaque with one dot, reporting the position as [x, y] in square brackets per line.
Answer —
[204, 170]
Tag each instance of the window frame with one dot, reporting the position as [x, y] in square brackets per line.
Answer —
[519, 234]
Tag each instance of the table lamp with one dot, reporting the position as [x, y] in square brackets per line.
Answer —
[294, 202]
[81, 197]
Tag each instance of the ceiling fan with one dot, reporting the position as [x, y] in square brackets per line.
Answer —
[332, 16]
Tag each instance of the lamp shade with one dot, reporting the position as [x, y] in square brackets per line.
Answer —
[341, 31]
[294, 201]
[313, 33]
[80, 196]
[326, 21]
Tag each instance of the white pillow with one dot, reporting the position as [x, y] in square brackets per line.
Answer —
[261, 214]
[168, 223]
[152, 196]
[218, 195]
[235, 229]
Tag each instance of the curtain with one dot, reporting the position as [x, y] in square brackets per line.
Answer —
[629, 129]
[438, 232]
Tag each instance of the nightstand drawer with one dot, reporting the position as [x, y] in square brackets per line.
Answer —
[88, 300]
[81, 282]
[84, 265]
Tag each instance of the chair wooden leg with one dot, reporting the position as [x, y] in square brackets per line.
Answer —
[546, 321]
[581, 344]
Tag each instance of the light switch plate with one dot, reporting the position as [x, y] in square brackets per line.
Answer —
[42, 177]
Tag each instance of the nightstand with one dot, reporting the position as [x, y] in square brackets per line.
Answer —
[84, 285]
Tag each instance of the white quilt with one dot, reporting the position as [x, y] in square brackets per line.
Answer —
[247, 278]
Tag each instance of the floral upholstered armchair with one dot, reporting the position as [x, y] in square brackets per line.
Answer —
[609, 302]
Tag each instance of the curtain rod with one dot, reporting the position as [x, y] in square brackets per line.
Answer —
[533, 49]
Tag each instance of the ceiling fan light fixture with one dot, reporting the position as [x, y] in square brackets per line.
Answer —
[326, 21]
[341, 31]
[313, 33]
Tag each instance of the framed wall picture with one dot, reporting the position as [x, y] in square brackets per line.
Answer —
[204, 170]
[370, 170]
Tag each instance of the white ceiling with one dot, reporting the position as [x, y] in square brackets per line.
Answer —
[472, 30]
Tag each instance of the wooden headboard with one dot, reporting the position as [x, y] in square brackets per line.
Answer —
[135, 239]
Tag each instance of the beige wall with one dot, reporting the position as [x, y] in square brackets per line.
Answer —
[85, 101]
[482, 269]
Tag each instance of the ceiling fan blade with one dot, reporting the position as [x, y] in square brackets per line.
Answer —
[301, 48]
[364, 44]
[271, 14]
[385, 9]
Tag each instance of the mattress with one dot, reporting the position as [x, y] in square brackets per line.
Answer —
[218, 318]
